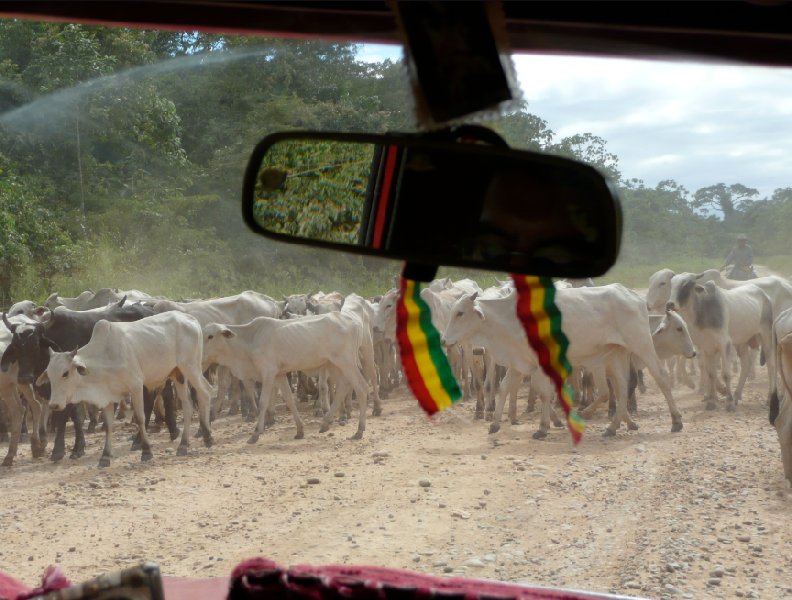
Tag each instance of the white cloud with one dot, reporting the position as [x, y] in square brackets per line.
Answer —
[699, 124]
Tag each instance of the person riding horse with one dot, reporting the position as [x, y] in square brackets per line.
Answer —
[741, 257]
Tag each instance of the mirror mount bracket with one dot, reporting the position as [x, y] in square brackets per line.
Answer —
[419, 271]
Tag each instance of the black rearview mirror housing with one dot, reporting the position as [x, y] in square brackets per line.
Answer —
[433, 202]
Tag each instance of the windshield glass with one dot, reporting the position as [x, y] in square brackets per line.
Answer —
[121, 160]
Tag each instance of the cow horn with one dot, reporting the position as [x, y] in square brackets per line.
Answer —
[49, 322]
[11, 327]
[121, 302]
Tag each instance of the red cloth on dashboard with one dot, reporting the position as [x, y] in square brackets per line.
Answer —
[53, 579]
[262, 579]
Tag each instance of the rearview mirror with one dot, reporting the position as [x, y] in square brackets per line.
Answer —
[431, 202]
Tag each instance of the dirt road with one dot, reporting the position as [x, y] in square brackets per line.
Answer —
[704, 513]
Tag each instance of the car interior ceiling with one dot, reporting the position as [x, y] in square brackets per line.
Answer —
[752, 32]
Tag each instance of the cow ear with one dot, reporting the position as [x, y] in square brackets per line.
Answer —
[9, 357]
[42, 380]
[474, 295]
[479, 312]
[227, 333]
[700, 289]
[39, 311]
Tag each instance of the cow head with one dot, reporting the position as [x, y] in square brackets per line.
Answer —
[659, 292]
[25, 307]
[215, 344]
[29, 349]
[466, 319]
[385, 314]
[65, 374]
[682, 287]
[672, 338]
[296, 304]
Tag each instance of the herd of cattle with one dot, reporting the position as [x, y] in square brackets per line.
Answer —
[100, 350]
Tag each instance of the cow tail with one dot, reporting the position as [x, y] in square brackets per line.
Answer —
[767, 321]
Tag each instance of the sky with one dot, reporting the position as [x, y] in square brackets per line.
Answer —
[699, 124]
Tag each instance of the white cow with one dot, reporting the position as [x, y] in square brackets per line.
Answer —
[605, 325]
[266, 349]
[657, 297]
[781, 416]
[361, 313]
[24, 307]
[90, 299]
[719, 319]
[234, 310]
[777, 288]
[120, 359]
[670, 338]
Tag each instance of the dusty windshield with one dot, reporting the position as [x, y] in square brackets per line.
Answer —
[121, 161]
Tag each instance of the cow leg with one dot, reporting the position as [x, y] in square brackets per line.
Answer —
[783, 420]
[661, 377]
[486, 385]
[360, 386]
[59, 419]
[267, 379]
[509, 386]
[169, 401]
[726, 372]
[13, 408]
[3, 424]
[603, 391]
[34, 408]
[641, 384]
[635, 381]
[286, 392]
[203, 394]
[122, 410]
[370, 372]
[148, 406]
[107, 453]
[183, 392]
[159, 410]
[93, 419]
[338, 397]
[617, 372]
[784, 429]
[323, 395]
[557, 422]
[746, 356]
[138, 402]
[250, 401]
[546, 403]
[77, 416]
[709, 369]
[45, 415]
[683, 376]
[513, 401]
